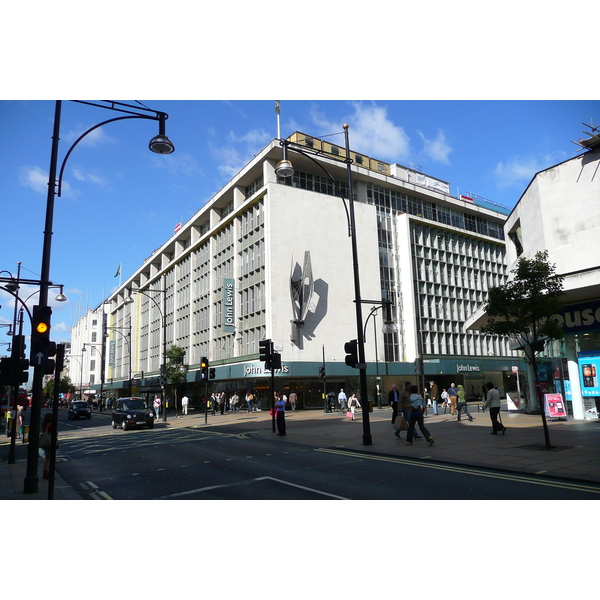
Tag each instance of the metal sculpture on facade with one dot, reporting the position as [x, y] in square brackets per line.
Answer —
[302, 287]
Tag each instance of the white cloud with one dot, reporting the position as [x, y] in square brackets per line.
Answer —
[371, 132]
[34, 177]
[37, 179]
[94, 138]
[239, 150]
[82, 175]
[437, 149]
[516, 172]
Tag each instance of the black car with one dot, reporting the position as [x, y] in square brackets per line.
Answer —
[80, 410]
[132, 412]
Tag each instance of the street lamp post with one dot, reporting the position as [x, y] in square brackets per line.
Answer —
[163, 315]
[160, 144]
[388, 327]
[285, 169]
[127, 339]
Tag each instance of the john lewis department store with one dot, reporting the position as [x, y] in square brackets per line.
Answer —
[270, 258]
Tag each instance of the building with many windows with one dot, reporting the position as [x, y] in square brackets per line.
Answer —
[270, 258]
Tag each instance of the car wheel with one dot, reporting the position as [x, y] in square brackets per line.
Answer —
[151, 425]
[114, 425]
[124, 425]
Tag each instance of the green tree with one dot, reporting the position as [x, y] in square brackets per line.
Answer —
[521, 309]
[64, 387]
[176, 370]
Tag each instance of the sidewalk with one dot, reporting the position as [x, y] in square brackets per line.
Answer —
[575, 452]
[12, 477]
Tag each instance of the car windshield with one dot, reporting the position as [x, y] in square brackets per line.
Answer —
[134, 404]
[79, 404]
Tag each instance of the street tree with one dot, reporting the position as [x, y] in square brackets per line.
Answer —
[176, 370]
[522, 309]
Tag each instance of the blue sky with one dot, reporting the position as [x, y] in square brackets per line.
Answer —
[120, 201]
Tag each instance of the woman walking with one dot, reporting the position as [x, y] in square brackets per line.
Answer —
[353, 404]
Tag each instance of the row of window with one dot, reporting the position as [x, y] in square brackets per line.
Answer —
[392, 201]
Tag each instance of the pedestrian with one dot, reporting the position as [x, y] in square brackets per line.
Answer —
[222, 402]
[19, 421]
[462, 403]
[233, 402]
[453, 395]
[405, 407]
[47, 427]
[342, 400]
[393, 398]
[417, 404]
[280, 415]
[293, 400]
[184, 405]
[353, 404]
[445, 398]
[330, 401]
[214, 401]
[493, 402]
[156, 406]
[434, 396]
[249, 399]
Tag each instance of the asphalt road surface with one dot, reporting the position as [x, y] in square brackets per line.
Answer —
[229, 462]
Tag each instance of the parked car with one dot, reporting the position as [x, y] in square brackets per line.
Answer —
[80, 410]
[132, 412]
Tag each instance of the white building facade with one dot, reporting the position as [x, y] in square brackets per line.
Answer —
[270, 258]
[559, 212]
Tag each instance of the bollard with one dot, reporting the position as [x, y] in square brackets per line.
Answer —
[25, 434]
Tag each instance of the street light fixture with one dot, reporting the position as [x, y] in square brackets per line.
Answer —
[159, 144]
[285, 169]
[163, 314]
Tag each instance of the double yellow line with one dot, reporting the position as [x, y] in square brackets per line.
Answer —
[565, 485]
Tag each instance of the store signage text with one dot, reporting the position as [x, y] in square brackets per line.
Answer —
[260, 370]
[228, 305]
[579, 317]
[467, 368]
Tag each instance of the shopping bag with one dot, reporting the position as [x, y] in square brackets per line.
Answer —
[400, 423]
[349, 414]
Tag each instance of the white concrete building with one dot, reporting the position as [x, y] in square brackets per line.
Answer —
[271, 258]
[559, 212]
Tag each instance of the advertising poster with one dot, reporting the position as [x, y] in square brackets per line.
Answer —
[589, 365]
[555, 407]
[512, 401]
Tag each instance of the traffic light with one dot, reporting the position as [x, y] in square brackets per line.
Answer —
[204, 368]
[266, 353]
[275, 361]
[351, 349]
[20, 363]
[211, 373]
[322, 372]
[418, 366]
[6, 371]
[42, 349]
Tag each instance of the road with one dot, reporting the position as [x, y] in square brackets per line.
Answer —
[238, 461]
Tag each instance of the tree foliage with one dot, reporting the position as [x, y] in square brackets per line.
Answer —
[522, 307]
[176, 369]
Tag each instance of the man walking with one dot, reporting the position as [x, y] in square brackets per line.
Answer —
[453, 395]
[393, 398]
[184, 405]
[342, 400]
[493, 402]
[433, 390]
